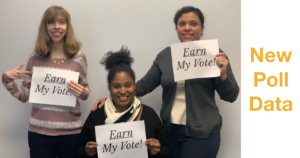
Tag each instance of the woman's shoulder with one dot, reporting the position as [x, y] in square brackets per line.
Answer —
[147, 108]
[99, 112]
[163, 55]
[81, 59]
[35, 55]
[95, 118]
[165, 51]
[148, 111]
[79, 54]
[220, 50]
[32, 58]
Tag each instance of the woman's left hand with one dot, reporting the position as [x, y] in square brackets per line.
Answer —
[76, 89]
[153, 146]
[222, 62]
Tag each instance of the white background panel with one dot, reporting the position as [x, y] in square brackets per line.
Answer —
[272, 25]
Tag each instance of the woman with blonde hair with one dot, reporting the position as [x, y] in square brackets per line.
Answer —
[53, 130]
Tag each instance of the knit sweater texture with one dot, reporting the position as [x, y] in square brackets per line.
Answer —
[48, 119]
[202, 112]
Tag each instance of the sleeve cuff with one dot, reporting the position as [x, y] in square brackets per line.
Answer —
[6, 79]
[86, 94]
[226, 84]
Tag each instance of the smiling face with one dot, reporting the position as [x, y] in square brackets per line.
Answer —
[57, 29]
[122, 91]
[189, 27]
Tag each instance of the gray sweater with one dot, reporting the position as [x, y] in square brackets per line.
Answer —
[202, 113]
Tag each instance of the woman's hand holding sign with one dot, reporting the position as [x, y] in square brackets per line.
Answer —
[16, 74]
[222, 62]
[153, 146]
[76, 89]
[91, 148]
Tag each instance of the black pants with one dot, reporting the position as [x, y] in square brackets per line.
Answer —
[43, 146]
[185, 146]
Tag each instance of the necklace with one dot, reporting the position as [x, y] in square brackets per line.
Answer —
[58, 62]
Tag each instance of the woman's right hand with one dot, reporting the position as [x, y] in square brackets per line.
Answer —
[153, 146]
[16, 74]
[91, 148]
[99, 103]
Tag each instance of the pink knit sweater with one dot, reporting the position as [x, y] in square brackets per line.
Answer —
[47, 119]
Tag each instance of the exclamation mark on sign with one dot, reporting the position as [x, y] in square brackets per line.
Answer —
[215, 62]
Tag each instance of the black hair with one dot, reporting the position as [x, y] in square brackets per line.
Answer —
[188, 9]
[116, 62]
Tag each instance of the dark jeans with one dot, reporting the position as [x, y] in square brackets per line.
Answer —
[43, 146]
[185, 146]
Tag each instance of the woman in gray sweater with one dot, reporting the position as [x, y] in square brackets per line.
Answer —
[189, 111]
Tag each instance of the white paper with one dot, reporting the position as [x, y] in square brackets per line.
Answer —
[122, 140]
[195, 59]
[49, 86]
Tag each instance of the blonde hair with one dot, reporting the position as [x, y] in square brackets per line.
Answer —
[43, 42]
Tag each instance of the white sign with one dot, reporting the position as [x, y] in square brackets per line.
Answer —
[122, 140]
[195, 59]
[49, 86]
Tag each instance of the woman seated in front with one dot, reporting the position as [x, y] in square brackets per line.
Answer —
[123, 106]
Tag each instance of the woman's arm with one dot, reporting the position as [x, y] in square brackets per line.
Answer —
[80, 89]
[19, 92]
[151, 80]
[227, 88]
[84, 138]
[161, 136]
[84, 84]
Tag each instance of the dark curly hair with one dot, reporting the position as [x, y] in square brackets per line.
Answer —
[116, 62]
[188, 9]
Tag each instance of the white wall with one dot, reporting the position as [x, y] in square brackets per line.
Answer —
[146, 27]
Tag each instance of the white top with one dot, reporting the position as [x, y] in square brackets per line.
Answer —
[178, 113]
